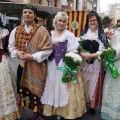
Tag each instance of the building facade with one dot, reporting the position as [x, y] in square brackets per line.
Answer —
[115, 12]
[11, 11]
[90, 5]
[78, 5]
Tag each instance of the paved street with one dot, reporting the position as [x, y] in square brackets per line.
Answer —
[28, 113]
[86, 116]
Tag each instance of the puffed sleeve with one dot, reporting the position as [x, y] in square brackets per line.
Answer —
[115, 44]
[73, 44]
[11, 44]
[4, 33]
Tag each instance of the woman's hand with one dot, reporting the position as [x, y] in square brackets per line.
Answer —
[86, 56]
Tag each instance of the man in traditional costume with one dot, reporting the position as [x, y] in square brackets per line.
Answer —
[30, 42]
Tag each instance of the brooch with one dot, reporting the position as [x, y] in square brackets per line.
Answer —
[55, 43]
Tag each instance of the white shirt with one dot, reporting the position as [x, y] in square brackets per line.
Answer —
[3, 32]
[38, 56]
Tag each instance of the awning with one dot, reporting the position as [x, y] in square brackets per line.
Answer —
[16, 8]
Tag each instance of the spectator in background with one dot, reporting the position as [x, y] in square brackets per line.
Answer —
[109, 31]
[9, 27]
[15, 24]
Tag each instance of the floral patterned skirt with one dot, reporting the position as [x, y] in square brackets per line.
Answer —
[77, 99]
[8, 102]
[111, 95]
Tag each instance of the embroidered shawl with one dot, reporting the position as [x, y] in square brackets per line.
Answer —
[22, 37]
[34, 73]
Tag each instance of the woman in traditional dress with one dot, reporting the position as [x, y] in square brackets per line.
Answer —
[8, 104]
[93, 41]
[111, 88]
[63, 99]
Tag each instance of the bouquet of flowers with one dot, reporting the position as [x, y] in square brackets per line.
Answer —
[72, 61]
[107, 56]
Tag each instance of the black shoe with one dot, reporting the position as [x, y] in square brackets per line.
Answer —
[92, 111]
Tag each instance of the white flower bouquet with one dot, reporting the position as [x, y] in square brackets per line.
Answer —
[72, 61]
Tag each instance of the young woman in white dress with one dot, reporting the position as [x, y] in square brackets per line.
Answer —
[64, 99]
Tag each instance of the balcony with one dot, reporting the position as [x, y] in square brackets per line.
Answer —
[16, 8]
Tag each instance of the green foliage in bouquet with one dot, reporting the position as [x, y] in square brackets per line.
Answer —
[107, 57]
[81, 48]
[71, 63]
[69, 74]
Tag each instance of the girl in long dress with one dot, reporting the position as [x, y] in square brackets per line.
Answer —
[111, 89]
[64, 99]
[8, 104]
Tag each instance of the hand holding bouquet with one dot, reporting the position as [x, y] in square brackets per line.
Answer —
[72, 61]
